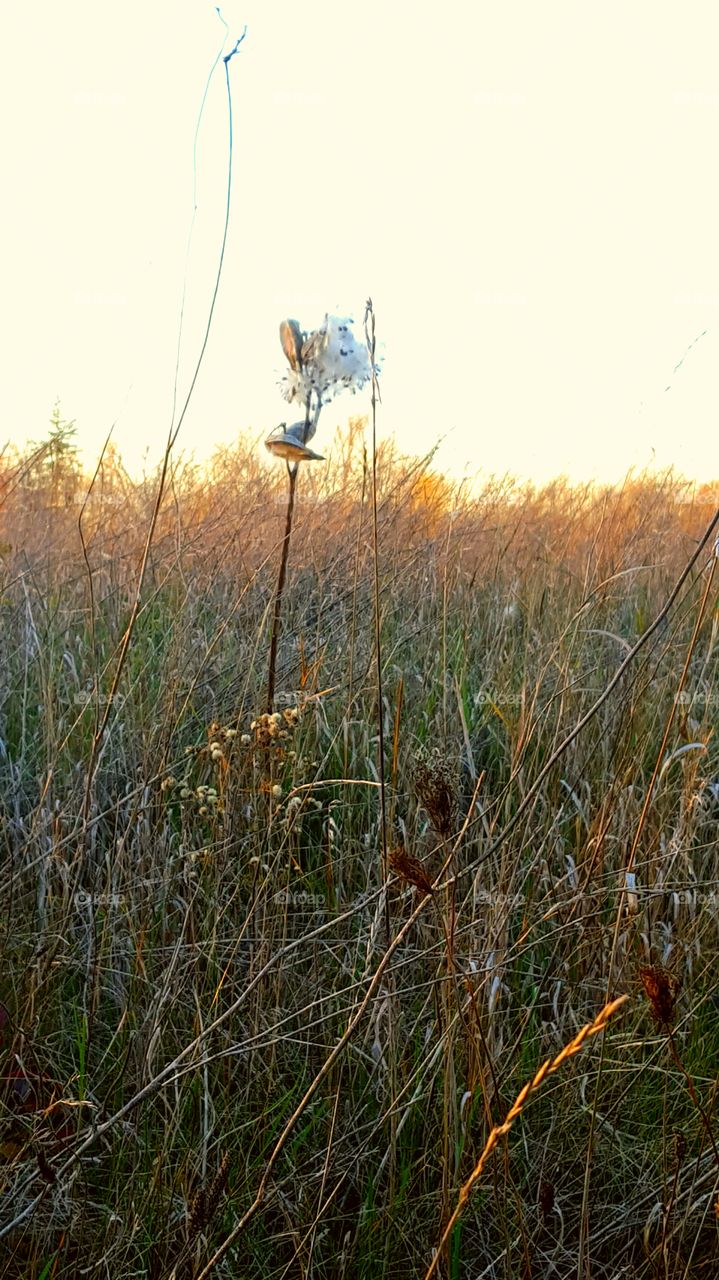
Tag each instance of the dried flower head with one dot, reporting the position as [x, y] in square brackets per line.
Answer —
[410, 869]
[271, 730]
[546, 1198]
[206, 1201]
[435, 786]
[662, 989]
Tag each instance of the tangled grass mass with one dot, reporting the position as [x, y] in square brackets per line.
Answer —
[256, 1022]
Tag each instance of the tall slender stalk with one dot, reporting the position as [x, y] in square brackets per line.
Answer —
[371, 345]
[385, 869]
[279, 590]
[292, 469]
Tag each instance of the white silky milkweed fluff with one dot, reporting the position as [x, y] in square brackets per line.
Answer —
[330, 361]
[322, 363]
[344, 363]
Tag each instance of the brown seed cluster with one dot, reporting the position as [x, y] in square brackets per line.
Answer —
[661, 989]
[273, 727]
[410, 869]
[680, 1148]
[435, 785]
[216, 760]
[219, 741]
[546, 1198]
[206, 1201]
[203, 798]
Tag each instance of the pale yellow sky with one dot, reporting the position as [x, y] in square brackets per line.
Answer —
[527, 190]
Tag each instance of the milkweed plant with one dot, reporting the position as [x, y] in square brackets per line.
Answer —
[323, 363]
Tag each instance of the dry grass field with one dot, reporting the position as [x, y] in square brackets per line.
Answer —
[248, 1028]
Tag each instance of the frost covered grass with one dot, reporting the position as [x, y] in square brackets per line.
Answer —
[206, 1034]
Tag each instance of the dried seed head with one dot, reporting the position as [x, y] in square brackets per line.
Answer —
[546, 1198]
[206, 1201]
[216, 1188]
[409, 869]
[435, 786]
[661, 989]
[680, 1148]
